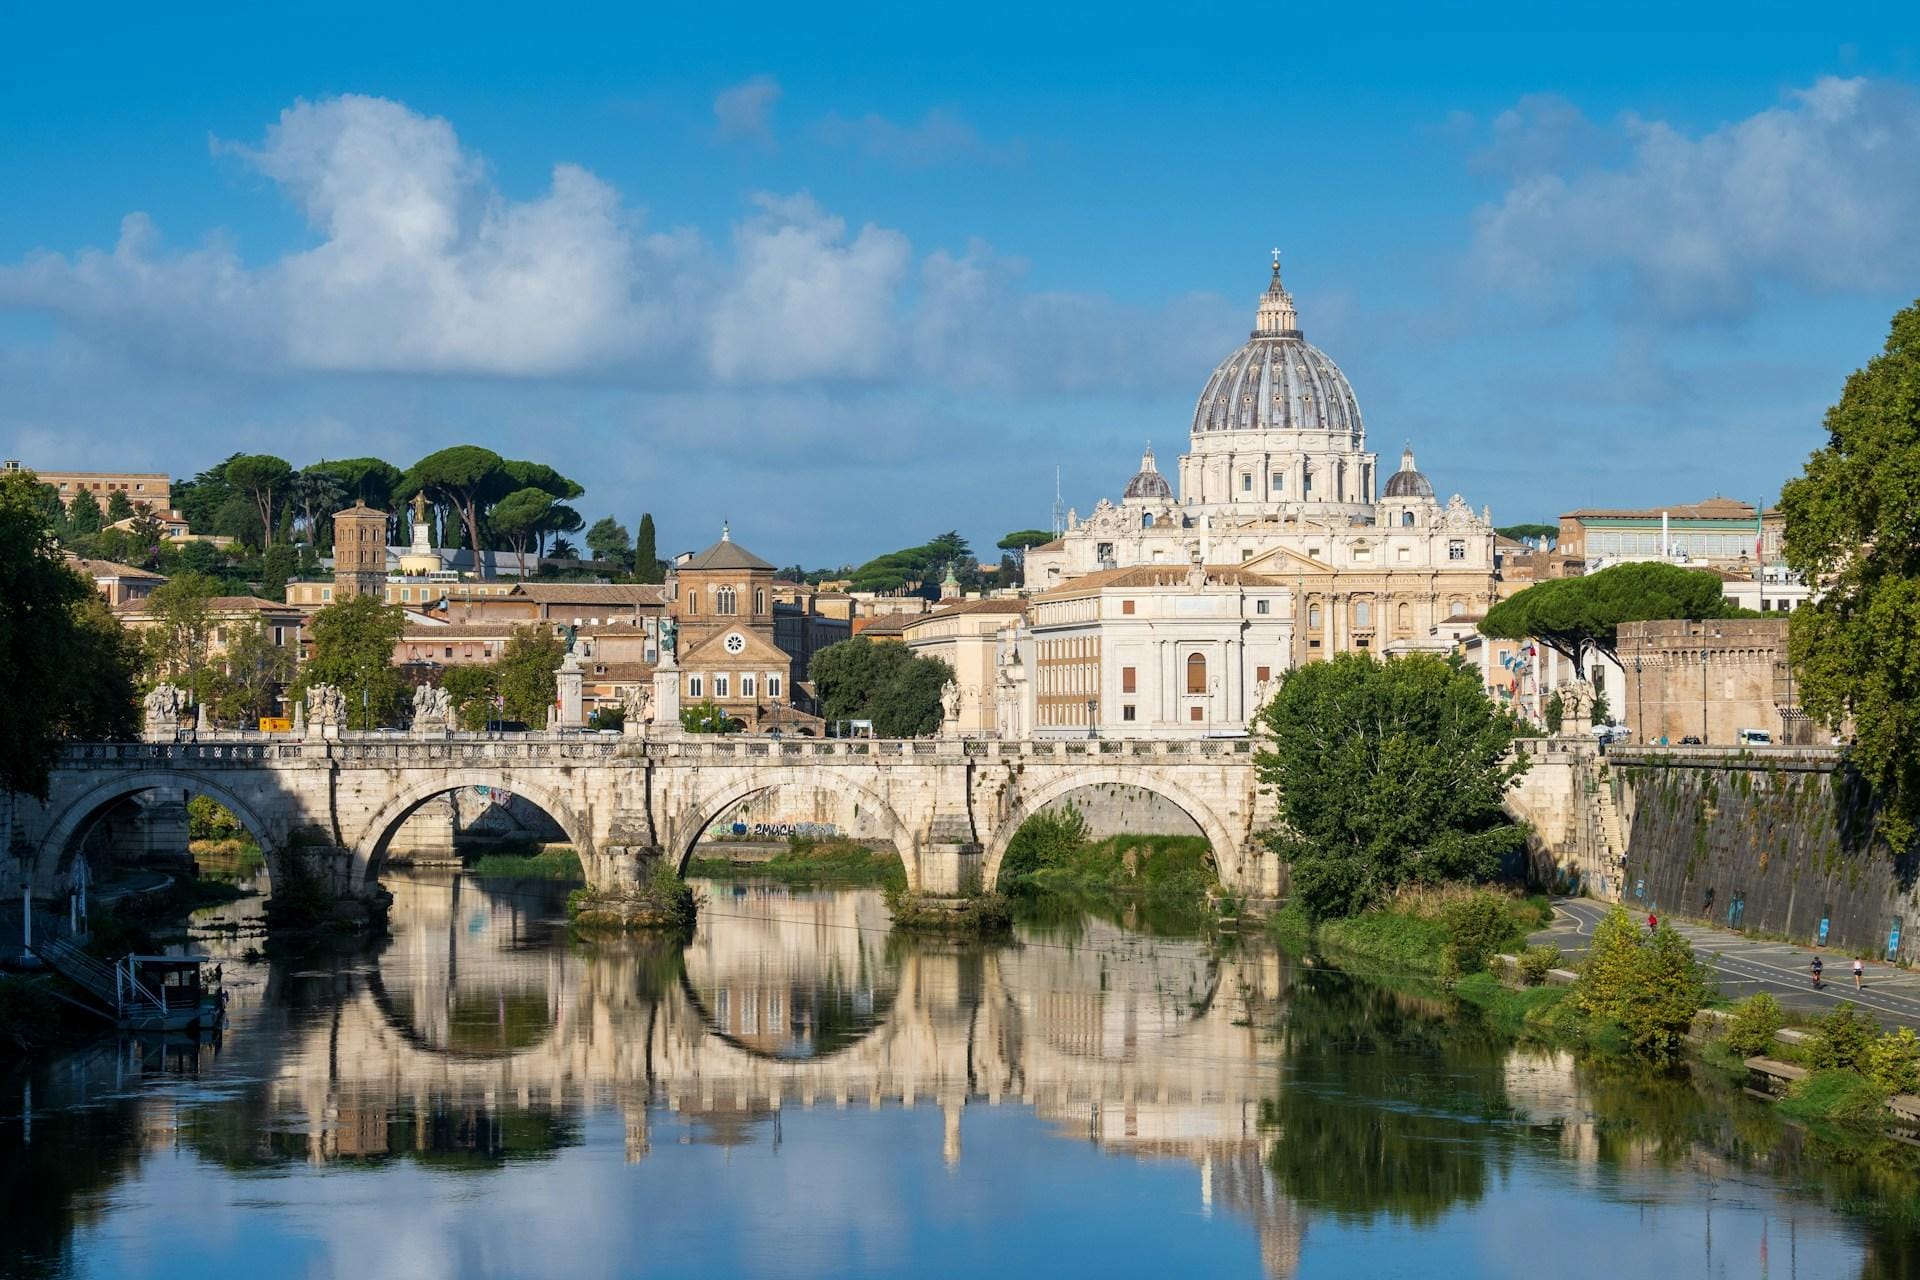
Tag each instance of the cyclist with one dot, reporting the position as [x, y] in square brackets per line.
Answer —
[1817, 968]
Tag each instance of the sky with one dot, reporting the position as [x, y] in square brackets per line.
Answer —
[851, 277]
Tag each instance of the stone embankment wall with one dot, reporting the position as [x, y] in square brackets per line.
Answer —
[1768, 840]
[1567, 797]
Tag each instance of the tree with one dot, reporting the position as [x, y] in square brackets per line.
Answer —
[278, 564]
[1543, 534]
[1020, 541]
[353, 644]
[70, 668]
[1853, 529]
[263, 478]
[886, 683]
[180, 637]
[707, 717]
[519, 517]
[118, 508]
[253, 671]
[83, 514]
[467, 478]
[472, 689]
[525, 674]
[1388, 773]
[147, 533]
[315, 493]
[608, 540]
[1573, 615]
[646, 557]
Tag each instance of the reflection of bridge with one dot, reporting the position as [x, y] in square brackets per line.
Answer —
[1148, 1047]
[950, 807]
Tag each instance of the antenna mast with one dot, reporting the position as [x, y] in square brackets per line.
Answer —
[1059, 505]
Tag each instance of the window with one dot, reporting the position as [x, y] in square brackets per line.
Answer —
[1126, 711]
[1146, 520]
[696, 687]
[1457, 549]
[279, 637]
[1313, 615]
[1403, 617]
[1363, 554]
[1246, 554]
[721, 684]
[1279, 482]
[1362, 614]
[1406, 519]
[746, 684]
[723, 601]
[1196, 673]
[1456, 608]
[1261, 606]
[1104, 551]
[1127, 680]
[692, 603]
[1306, 482]
[326, 593]
[773, 685]
[759, 599]
[1406, 555]
[1126, 606]
[449, 652]
[1193, 713]
[1246, 482]
[1262, 673]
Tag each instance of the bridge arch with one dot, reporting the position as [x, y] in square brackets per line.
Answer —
[54, 857]
[1028, 799]
[693, 822]
[370, 850]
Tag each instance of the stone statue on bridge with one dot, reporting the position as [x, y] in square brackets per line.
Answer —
[432, 709]
[160, 713]
[950, 702]
[326, 711]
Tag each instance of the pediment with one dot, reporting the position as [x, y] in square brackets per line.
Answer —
[712, 651]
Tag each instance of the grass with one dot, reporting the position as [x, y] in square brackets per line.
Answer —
[558, 862]
[1839, 1095]
[984, 913]
[1408, 934]
[663, 901]
[808, 862]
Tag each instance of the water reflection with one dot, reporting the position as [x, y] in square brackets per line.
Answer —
[924, 1089]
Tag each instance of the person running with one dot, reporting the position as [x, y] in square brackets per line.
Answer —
[1859, 972]
[1817, 968]
[1653, 923]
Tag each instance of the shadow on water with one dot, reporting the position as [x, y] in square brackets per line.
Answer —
[1314, 1108]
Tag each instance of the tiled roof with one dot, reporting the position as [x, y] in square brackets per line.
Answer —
[250, 604]
[1014, 606]
[592, 593]
[726, 554]
[112, 569]
[1711, 509]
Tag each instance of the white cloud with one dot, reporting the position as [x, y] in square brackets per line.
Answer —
[746, 110]
[939, 137]
[807, 302]
[1821, 192]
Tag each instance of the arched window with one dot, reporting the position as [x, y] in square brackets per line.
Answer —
[1362, 614]
[1313, 616]
[1146, 519]
[1403, 617]
[759, 600]
[1196, 673]
[1406, 519]
[1456, 608]
[723, 600]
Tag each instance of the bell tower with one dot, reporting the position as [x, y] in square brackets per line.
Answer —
[359, 552]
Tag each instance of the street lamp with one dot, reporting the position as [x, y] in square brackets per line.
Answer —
[1703, 696]
[1091, 704]
[1640, 701]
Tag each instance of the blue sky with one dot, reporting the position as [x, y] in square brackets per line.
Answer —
[851, 278]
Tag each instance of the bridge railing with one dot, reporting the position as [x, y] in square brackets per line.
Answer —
[251, 750]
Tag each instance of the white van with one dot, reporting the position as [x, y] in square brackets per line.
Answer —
[1754, 737]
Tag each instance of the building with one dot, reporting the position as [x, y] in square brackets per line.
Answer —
[966, 636]
[1278, 481]
[152, 488]
[1147, 652]
[1722, 532]
[1709, 680]
[359, 552]
[120, 585]
[721, 602]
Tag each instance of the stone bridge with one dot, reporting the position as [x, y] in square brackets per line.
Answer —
[335, 805]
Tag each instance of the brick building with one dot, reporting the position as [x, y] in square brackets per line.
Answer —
[1709, 680]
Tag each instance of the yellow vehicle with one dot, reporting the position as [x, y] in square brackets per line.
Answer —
[275, 724]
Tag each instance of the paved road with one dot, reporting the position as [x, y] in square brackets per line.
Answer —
[1745, 965]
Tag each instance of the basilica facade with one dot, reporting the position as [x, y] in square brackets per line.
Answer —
[1277, 482]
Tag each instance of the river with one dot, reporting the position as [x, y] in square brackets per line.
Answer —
[798, 1092]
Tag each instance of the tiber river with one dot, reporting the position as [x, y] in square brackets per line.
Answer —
[796, 1092]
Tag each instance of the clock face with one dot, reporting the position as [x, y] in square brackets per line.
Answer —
[736, 643]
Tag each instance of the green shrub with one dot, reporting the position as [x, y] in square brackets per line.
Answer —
[1892, 1062]
[1836, 1095]
[1842, 1039]
[1535, 963]
[1750, 1028]
[1609, 971]
[1669, 988]
[1477, 926]
[208, 819]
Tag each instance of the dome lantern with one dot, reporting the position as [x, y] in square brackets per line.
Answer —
[1148, 483]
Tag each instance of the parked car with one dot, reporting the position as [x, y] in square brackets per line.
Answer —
[1605, 733]
[1754, 737]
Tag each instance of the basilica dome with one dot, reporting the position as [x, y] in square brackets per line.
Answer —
[1147, 482]
[1278, 381]
[1408, 482]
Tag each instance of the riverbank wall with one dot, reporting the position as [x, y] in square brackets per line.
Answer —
[1770, 841]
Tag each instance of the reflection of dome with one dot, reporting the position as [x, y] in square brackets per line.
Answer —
[1277, 381]
[1407, 482]
[1148, 482]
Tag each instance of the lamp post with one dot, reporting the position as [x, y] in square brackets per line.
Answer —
[1640, 700]
[1091, 704]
